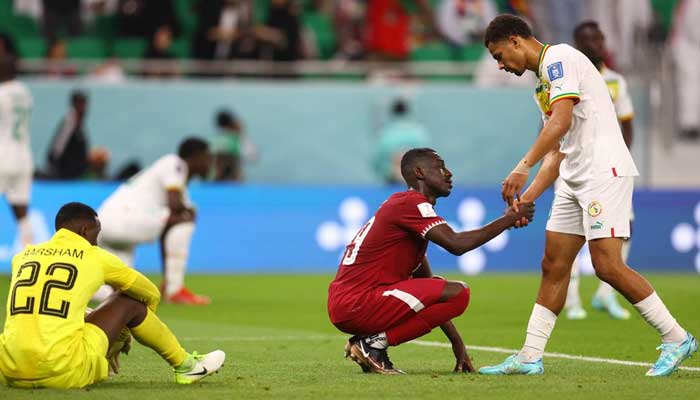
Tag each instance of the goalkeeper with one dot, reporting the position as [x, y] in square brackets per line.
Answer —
[48, 341]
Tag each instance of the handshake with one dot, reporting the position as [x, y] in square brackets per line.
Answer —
[520, 214]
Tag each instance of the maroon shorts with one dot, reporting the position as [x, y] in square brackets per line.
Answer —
[387, 306]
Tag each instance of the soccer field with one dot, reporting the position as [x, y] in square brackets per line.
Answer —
[279, 344]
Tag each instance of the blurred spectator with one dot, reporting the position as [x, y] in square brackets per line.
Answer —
[141, 18]
[98, 161]
[58, 14]
[57, 65]
[225, 30]
[349, 22]
[463, 22]
[401, 134]
[388, 29]
[230, 148]
[283, 16]
[159, 49]
[685, 48]
[7, 45]
[68, 154]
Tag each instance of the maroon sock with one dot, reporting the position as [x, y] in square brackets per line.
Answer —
[428, 318]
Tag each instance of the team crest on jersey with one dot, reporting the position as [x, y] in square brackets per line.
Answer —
[426, 210]
[555, 71]
[595, 209]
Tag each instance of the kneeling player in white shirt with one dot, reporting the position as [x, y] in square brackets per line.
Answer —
[16, 166]
[590, 41]
[154, 204]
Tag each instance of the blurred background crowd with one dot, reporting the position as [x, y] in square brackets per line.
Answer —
[654, 43]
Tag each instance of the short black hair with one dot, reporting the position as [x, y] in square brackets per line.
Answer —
[8, 66]
[191, 146]
[504, 26]
[225, 118]
[584, 25]
[400, 107]
[73, 211]
[411, 158]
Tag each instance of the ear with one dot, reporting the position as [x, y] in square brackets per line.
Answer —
[419, 173]
[514, 40]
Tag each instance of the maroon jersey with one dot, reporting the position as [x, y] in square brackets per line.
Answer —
[385, 251]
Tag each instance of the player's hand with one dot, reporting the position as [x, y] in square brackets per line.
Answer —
[464, 363]
[512, 187]
[121, 346]
[522, 213]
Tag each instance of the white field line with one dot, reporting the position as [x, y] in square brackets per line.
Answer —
[427, 343]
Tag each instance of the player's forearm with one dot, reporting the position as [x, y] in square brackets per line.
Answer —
[450, 330]
[627, 132]
[469, 240]
[548, 173]
[548, 139]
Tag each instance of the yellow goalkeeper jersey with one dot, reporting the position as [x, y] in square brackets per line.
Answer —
[51, 285]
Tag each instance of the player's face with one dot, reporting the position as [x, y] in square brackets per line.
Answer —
[510, 55]
[202, 163]
[591, 42]
[437, 177]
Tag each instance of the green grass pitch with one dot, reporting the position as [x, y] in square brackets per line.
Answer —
[280, 345]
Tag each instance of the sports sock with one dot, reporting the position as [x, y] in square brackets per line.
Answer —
[24, 228]
[539, 329]
[377, 341]
[573, 298]
[177, 248]
[654, 311]
[153, 333]
[604, 291]
[428, 318]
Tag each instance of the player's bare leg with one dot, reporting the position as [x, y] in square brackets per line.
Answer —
[175, 246]
[120, 312]
[559, 254]
[370, 352]
[677, 343]
[24, 225]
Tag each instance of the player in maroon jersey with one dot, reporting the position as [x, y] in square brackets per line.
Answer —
[384, 293]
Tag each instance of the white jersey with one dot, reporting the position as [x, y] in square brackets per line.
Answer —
[593, 146]
[619, 93]
[148, 190]
[15, 110]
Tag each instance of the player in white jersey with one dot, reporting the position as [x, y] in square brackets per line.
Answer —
[16, 166]
[153, 205]
[580, 142]
[589, 39]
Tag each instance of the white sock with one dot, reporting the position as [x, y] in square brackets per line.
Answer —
[177, 249]
[539, 329]
[24, 227]
[626, 244]
[573, 298]
[102, 293]
[604, 290]
[654, 311]
[378, 341]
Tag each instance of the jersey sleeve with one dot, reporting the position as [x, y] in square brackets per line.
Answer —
[173, 174]
[623, 102]
[419, 216]
[128, 280]
[561, 71]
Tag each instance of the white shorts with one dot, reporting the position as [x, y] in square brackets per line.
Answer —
[128, 226]
[17, 187]
[599, 209]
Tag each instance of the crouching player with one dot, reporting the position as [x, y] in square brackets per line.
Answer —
[48, 341]
[384, 293]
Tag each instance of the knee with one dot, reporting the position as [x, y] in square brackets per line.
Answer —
[553, 267]
[461, 300]
[137, 310]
